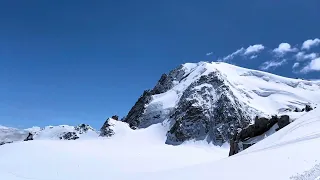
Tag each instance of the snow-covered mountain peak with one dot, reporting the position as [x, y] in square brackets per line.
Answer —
[210, 100]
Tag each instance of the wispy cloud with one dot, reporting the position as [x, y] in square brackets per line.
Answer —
[232, 55]
[301, 56]
[314, 65]
[295, 65]
[283, 49]
[253, 56]
[254, 49]
[310, 43]
[251, 51]
[209, 53]
[272, 64]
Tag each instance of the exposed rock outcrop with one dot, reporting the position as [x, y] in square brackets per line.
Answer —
[207, 109]
[115, 117]
[136, 114]
[308, 108]
[141, 116]
[261, 125]
[106, 130]
[69, 136]
[283, 121]
[29, 138]
[196, 120]
[3, 143]
[83, 128]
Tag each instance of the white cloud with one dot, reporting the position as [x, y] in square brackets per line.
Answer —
[300, 56]
[231, 56]
[253, 56]
[251, 50]
[283, 49]
[310, 43]
[272, 64]
[314, 65]
[254, 49]
[295, 65]
[209, 53]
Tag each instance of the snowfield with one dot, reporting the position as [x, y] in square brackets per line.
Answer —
[125, 154]
[291, 153]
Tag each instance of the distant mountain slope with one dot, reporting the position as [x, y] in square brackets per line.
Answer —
[211, 100]
[8, 135]
[63, 132]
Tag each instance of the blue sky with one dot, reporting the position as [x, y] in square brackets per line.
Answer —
[68, 62]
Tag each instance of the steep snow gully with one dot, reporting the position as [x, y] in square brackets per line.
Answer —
[271, 122]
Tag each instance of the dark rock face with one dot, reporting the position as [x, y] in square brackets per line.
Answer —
[308, 108]
[83, 128]
[260, 126]
[3, 143]
[207, 109]
[29, 138]
[69, 136]
[115, 117]
[106, 130]
[214, 120]
[135, 115]
[141, 117]
[234, 148]
[193, 125]
[283, 121]
[297, 110]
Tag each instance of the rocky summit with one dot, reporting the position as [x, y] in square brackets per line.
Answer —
[211, 101]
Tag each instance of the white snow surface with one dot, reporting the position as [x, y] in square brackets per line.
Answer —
[292, 152]
[126, 153]
[266, 93]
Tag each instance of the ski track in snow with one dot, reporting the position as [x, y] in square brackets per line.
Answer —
[312, 174]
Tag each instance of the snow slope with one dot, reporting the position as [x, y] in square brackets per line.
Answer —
[125, 154]
[292, 152]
